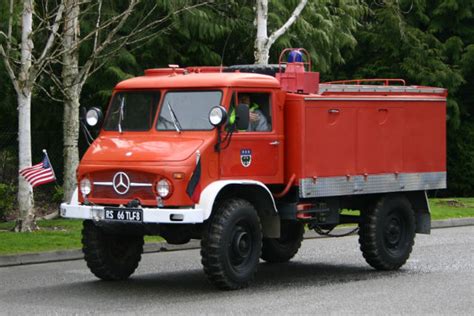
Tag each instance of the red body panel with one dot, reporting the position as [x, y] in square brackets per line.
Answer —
[148, 166]
[335, 136]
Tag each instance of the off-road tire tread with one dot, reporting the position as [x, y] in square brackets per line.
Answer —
[211, 251]
[368, 238]
[273, 252]
[97, 257]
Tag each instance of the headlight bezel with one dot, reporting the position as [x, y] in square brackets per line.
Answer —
[85, 186]
[93, 116]
[164, 188]
[217, 116]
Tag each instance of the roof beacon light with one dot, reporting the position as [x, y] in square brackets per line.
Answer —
[297, 76]
[295, 56]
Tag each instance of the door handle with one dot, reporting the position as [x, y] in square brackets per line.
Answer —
[275, 143]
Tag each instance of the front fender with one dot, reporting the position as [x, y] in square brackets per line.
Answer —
[210, 193]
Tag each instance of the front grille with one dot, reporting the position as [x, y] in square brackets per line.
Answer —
[140, 185]
[104, 192]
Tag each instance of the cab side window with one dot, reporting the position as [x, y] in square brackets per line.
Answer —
[260, 116]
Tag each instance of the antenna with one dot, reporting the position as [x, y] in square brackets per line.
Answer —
[225, 46]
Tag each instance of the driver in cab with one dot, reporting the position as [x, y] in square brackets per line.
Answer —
[257, 120]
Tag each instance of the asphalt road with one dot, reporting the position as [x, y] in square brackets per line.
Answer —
[327, 276]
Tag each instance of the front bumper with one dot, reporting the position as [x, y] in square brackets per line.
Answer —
[150, 215]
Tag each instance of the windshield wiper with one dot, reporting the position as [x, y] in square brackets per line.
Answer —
[176, 124]
[122, 105]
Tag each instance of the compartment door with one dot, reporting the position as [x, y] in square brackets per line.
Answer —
[329, 144]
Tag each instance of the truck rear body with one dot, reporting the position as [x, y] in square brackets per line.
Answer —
[366, 139]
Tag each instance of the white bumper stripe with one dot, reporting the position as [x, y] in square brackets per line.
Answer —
[150, 215]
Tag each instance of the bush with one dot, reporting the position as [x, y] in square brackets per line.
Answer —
[461, 161]
[7, 200]
[58, 194]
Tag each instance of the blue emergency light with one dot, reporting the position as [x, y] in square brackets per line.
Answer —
[295, 56]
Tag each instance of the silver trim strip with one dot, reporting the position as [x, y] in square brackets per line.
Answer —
[137, 184]
[132, 184]
[322, 98]
[377, 183]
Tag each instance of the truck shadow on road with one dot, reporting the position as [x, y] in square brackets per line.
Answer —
[179, 286]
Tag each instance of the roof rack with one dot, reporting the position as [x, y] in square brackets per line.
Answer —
[385, 81]
[343, 88]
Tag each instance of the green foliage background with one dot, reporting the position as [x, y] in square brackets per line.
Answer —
[426, 42]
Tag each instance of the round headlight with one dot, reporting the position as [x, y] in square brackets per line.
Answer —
[163, 188]
[217, 116]
[93, 116]
[85, 186]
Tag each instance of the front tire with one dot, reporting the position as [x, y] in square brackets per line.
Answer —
[231, 246]
[387, 233]
[277, 250]
[110, 257]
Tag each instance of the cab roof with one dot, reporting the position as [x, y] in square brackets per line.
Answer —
[199, 80]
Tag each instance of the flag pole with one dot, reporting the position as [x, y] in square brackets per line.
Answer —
[49, 161]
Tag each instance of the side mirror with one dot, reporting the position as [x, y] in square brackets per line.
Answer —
[242, 114]
[217, 116]
[93, 116]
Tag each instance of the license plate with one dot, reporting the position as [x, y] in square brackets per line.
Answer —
[123, 214]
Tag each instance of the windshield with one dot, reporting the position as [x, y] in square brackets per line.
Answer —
[132, 111]
[187, 110]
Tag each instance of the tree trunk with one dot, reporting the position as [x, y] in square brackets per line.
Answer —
[70, 140]
[25, 191]
[263, 42]
[261, 17]
[262, 55]
[72, 89]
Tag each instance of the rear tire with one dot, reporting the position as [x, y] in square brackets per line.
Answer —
[387, 233]
[282, 249]
[231, 246]
[110, 257]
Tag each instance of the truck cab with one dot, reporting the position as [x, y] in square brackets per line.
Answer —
[140, 139]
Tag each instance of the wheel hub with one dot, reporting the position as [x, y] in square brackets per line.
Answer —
[241, 245]
[393, 231]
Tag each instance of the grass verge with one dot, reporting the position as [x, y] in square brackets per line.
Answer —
[451, 208]
[57, 234]
[64, 234]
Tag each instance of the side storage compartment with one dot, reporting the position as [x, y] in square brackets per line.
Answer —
[329, 139]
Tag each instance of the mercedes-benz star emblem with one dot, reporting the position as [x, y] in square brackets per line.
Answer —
[121, 183]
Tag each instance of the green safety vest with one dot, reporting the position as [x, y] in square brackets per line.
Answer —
[252, 108]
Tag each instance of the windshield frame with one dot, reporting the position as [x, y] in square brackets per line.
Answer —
[163, 104]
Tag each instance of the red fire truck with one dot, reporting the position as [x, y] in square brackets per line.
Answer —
[244, 161]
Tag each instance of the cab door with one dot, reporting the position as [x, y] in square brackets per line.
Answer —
[256, 154]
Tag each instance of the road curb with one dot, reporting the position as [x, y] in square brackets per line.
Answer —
[68, 255]
[453, 222]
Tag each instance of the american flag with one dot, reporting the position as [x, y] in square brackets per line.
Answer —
[40, 173]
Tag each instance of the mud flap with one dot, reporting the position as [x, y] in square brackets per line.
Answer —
[423, 223]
